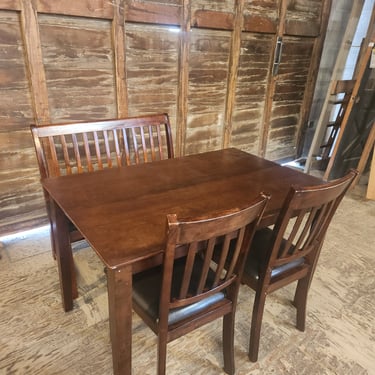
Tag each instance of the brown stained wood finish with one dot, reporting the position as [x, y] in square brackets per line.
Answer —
[94, 60]
[289, 251]
[198, 288]
[138, 198]
[74, 148]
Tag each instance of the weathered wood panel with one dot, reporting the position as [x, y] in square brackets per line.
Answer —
[158, 12]
[20, 195]
[79, 66]
[212, 5]
[261, 16]
[288, 97]
[152, 70]
[82, 8]
[208, 60]
[303, 17]
[251, 91]
[213, 14]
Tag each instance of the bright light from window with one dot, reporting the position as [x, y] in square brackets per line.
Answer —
[25, 234]
[174, 29]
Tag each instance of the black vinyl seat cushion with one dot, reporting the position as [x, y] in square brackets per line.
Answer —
[147, 286]
[257, 253]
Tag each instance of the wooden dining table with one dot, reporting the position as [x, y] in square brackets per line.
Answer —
[121, 212]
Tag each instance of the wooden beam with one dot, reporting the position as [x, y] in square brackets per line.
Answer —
[34, 61]
[118, 42]
[233, 72]
[183, 79]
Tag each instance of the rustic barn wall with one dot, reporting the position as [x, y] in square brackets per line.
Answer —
[20, 194]
[78, 63]
[152, 53]
[212, 65]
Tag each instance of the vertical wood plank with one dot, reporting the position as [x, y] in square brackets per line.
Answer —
[264, 131]
[118, 41]
[34, 61]
[233, 72]
[183, 79]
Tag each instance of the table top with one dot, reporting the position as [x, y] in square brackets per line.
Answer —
[122, 211]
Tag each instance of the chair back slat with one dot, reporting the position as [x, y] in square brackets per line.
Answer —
[65, 153]
[152, 144]
[304, 220]
[236, 254]
[188, 270]
[53, 155]
[221, 262]
[143, 142]
[87, 152]
[208, 253]
[209, 266]
[77, 155]
[126, 151]
[107, 148]
[98, 154]
[89, 146]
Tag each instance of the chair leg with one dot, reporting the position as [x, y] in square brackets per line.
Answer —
[256, 324]
[52, 241]
[162, 353]
[228, 343]
[300, 302]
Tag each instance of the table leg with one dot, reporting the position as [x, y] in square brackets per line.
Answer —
[120, 318]
[64, 256]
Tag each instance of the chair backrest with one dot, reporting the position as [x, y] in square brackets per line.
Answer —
[207, 267]
[87, 146]
[304, 220]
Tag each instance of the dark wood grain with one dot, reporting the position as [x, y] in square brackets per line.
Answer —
[122, 212]
[123, 197]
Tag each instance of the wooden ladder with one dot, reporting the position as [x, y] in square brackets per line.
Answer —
[362, 64]
[334, 86]
[342, 92]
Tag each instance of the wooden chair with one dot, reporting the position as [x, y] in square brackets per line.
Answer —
[64, 149]
[289, 252]
[190, 289]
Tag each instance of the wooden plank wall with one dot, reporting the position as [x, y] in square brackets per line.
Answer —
[207, 63]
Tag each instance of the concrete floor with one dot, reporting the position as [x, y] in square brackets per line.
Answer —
[37, 337]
